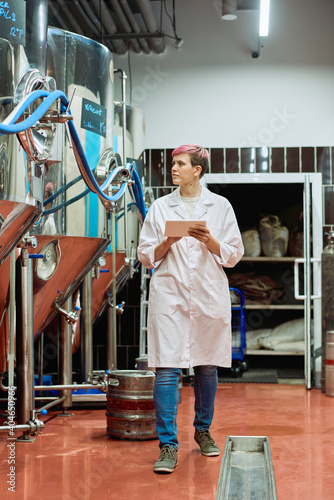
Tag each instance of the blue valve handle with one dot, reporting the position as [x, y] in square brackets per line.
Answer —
[36, 256]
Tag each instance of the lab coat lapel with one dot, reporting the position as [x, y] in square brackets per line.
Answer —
[203, 204]
[177, 205]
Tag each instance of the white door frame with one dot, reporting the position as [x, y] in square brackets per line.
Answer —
[312, 197]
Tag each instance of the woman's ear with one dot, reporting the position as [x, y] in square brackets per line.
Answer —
[198, 170]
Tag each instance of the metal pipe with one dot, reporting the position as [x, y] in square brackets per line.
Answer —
[52, 403]
[11, 348]
[36, 33]
[87, 328]
[69, 386]
[124, 23]
[46, 398]
[67, 13]
[108, 23]
[90, 18]
[40, 357]
[114, 284]
[66, 355]
[151, 24]
[134, 25]
[24, 334]
[111, 347]
[123, 78]
[20, 427]
[60, 19]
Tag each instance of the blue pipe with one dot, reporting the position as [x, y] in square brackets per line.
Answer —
[14, 128]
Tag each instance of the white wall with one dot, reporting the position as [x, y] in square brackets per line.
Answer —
[212, 92]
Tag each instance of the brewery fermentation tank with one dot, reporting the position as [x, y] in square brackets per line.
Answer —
[23, 70]
[72, 233]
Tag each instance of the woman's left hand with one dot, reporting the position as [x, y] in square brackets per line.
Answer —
[201, 233]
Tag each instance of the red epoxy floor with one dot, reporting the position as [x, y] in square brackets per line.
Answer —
[74, 460]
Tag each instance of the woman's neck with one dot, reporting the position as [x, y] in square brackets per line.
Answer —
[191, 190]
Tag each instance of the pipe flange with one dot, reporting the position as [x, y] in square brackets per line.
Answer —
[37, 141]
[35, 427]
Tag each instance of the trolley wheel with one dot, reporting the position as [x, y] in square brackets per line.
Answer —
[236, 371]
[244, 366]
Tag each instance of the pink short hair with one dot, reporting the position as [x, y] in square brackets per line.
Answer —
[198, 155]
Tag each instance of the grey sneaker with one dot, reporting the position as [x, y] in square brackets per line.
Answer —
[167, 460]
[206, 443]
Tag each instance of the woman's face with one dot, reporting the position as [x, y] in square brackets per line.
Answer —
[183, 173]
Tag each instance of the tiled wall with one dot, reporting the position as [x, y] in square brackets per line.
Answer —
[156, 165]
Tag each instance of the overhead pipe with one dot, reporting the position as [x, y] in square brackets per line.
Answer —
[135, 26]
[54, 12]
[124, 23]
[151, 24]
[109, 24]
[90, 18]
[67, 13]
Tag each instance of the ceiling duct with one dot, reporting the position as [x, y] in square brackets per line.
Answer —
[88, 15]
[109, 24]
[68, 14]
[124, 23]
[118, 24]
[151, 25]
[134, 25]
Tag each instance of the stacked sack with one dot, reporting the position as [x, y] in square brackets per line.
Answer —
[272, 238]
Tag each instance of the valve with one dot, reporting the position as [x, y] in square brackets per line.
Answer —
[97, 268]
[35, 426]
[120, 308]
[70, 316]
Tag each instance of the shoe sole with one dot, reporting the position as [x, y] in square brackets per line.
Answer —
[164, 470]
[212, 454]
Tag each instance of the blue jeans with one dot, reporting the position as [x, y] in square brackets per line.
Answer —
[166, 401]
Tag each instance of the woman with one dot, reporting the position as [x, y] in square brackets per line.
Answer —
[189, 315]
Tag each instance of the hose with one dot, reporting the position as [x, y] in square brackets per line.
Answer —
[9, 126]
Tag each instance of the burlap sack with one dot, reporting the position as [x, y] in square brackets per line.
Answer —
[274, 237]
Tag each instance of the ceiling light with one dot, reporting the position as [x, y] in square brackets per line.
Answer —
[229, 10]
[264, 17]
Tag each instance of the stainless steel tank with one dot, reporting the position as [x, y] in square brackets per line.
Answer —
[21, 189]
[22, 70]
[74, 234]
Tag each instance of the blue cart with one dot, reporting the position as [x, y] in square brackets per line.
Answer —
[238, 322]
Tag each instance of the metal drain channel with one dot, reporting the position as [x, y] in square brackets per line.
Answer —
[246, 471]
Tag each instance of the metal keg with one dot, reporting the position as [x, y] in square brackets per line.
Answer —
[330, 364]
[141, 363]
[130, 408]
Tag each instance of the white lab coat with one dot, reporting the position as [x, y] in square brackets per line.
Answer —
[189, 314]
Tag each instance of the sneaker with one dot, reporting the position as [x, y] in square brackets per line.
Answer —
[206, 443]
[167, 460]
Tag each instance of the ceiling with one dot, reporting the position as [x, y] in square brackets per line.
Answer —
[121, 25]
[124, 25]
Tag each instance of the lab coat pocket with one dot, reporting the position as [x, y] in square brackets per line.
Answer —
[219, 306]
[163, 296]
